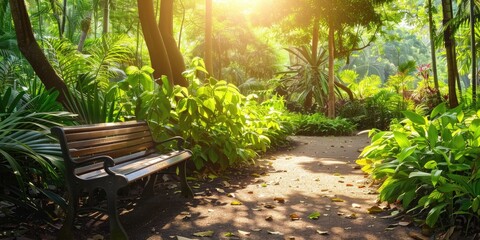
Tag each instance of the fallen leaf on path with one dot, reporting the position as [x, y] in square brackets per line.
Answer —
[232, 195]
[322, 232]
[269, 218]
[361, 186]
[337, 200]
[349, 185]
[279, 200]
[404, 224]
[355, 205]
[220, 190]
[244, 233]
[226, 184]
[337, 174]
[374, 210]
[235, 203]
[184, 238]
[256, 230]
[269, 206]
[314, 215]
[275, 233]
[204, 234]
[294, 217]
[229, 234]
[352, 216]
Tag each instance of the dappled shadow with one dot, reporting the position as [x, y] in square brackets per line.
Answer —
[259, 203]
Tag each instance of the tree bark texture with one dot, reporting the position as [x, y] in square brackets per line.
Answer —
[106, 16]
[331, 74]
[165, 26]
[32, 51]
[450, 50]
[155, 44]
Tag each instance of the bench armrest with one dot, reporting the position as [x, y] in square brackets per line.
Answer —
[179, 140]
[107, 163]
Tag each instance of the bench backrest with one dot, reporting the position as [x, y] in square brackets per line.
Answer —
[121, 141]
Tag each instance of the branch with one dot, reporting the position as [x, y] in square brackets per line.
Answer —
[32, 51]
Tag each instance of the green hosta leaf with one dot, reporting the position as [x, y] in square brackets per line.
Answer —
[448, 187]
[407, 198]
[148, 69]
[476, 204]
[402, 139]
[132, 70]
[432, 135]
[314, 215]
[406, 152]
[432, 164]
[439, 109]
[414, 117]
[419, 174]
[436, 174]
[458, 167]
[458, 142]
[210, 104]
[434, 213]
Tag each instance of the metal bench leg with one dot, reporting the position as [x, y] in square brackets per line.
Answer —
[148, 190]
[66, 232]
[116, 229]
[186, 190]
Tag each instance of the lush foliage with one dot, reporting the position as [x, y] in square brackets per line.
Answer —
[222, 127]
[429, 164]
[319, 125]
[30, 160]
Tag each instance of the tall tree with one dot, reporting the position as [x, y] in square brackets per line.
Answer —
[165, 26]
[32, 51]
[164, 54]
[449, 40]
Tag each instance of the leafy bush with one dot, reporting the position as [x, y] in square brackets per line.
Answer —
[30, 161]
[221, 126]
[376, 111]
[319, 125]
[431, 165]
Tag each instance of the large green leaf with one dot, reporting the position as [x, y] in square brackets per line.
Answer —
[414, 117]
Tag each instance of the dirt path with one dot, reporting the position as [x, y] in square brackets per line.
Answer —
[315, 177]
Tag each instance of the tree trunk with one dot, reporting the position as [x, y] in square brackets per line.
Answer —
[64, 17]
[57, 17]
[431, 25]
[106, 16]
[331, 76]
[473, 52]
[450, 50]
[316, 26]
[32, 51]
[175, 57]
[153, 39]
[208, 37]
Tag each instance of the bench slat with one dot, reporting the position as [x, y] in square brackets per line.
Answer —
[141, 167]
[78, 134]
[117, 148]
[107, 140]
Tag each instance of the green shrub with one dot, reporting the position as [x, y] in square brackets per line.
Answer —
[319, 125]
[222, 127]
[30, 160]
[431, 165]
[376, 111]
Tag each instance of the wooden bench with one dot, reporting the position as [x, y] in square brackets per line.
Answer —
[110, 156]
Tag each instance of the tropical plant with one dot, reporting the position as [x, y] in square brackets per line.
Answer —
[319, 125]
[306, 80]
[30, 160]
[429, 164]
[221, 126]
